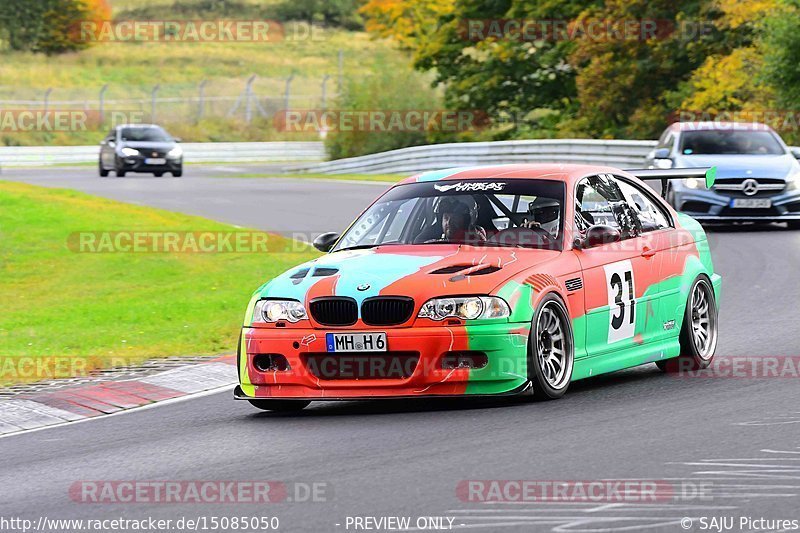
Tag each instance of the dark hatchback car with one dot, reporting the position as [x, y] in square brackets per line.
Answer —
[144, 148]
[758, 176]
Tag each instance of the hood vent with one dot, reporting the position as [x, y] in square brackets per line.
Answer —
[299, 276]
[322, 272]
[452, 269]
[477, 270]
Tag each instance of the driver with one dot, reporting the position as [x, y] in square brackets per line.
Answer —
[458, 216]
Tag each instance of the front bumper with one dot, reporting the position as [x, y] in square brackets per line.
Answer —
[137, 164]
[504, 345]
[712, 206]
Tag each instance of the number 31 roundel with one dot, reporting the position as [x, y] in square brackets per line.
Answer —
[621, 288]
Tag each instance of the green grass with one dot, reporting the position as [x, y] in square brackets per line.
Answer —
[117, 308]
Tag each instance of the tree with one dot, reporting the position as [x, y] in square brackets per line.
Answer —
[487, 65]
[409, 22]
[49, 26]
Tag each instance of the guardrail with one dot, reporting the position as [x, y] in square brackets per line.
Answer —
[263, 152]
[624, 154]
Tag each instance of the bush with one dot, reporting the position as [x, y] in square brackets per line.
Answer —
[388, 88]
[342, 13]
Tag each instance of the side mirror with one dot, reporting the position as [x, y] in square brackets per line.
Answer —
[601, 234]
[661, 153]
[325, 242]
[177, 139]
[795, 151]
[111, 144]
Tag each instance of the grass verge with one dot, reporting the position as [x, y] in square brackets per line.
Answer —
[66, 312]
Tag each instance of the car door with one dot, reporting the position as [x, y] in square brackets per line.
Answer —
[619, 299]
[660, 243]
[107, 149]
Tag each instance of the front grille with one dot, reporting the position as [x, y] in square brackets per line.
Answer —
[387, 310]
[362, 365]
[695, 207]
[733, 187]
[745, 212]
[334, 311]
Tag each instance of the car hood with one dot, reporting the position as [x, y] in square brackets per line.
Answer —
[742, 166]
[147, 145]
[418, 271]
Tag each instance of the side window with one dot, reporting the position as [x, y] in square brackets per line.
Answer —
[666, 141]
[601, 201]
[650, 215]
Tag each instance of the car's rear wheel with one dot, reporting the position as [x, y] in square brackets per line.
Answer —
[698, 336]
[551, 349]
[158, 174]
[280, 406]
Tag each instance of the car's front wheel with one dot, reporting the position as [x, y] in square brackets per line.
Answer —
[698, 336]
[551, 349]
[178, 173]
[793, 224]
[280, 406]
[103, 171]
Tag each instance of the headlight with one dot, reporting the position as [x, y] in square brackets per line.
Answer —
[692, 183]
[130, 152]
[277, 310]
[467, 308]
[794, 180]
[175, 152]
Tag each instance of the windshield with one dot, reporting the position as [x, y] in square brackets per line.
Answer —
[730, 142]
[145, 134]
[510, 213]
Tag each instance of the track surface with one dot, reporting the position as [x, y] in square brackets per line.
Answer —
[736, 439]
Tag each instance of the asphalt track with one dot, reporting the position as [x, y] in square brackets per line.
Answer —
[734, 441]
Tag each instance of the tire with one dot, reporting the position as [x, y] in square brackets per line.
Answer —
[697, 349]
[280, 406]
[120, 173]
[103, 172]
[177, 173]
[793, 224]
[158, 174]
[549, 372]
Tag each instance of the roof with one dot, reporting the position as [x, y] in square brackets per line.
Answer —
[545, 171]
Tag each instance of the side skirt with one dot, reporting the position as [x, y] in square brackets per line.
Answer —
[638, 355]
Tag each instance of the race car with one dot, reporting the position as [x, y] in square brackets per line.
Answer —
[502, 280]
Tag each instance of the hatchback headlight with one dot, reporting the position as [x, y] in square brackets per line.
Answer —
[465, 307]
[129, 152]
[175, 152]
[794, 180]
[278, 310]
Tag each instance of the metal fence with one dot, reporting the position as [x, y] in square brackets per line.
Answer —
[242, 99]
[262, 152]
[624, 154]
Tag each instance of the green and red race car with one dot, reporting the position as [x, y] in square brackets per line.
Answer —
[502, 280]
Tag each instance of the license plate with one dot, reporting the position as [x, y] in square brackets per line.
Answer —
[155, 161]
[356, 342]
[752, 203]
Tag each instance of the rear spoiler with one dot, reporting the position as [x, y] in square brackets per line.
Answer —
[664, 175]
